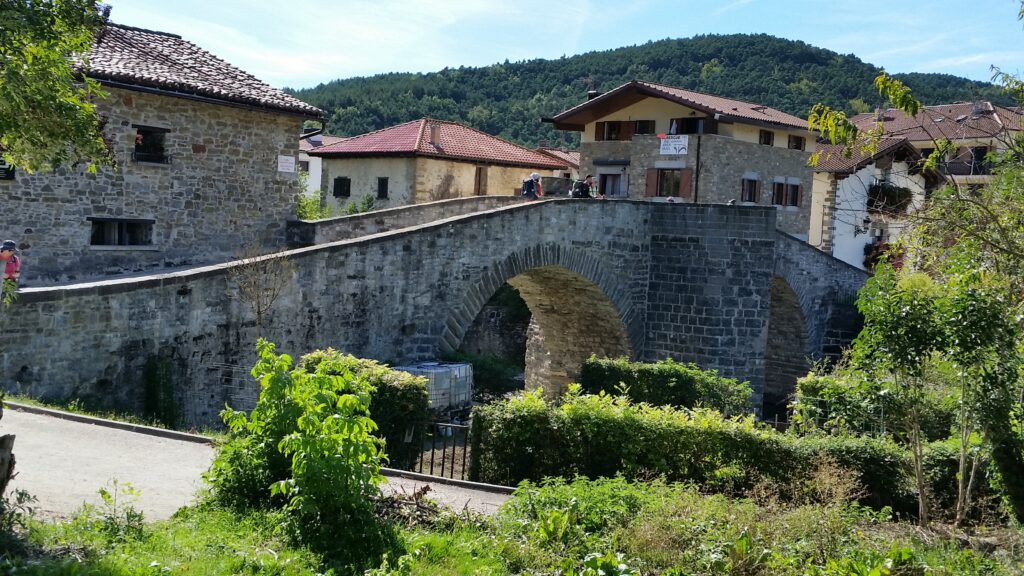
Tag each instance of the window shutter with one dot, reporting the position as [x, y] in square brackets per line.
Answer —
[757, 191]
[598, 130]
[799, 194]
[685, 181]
[651, 189]
[626, 131]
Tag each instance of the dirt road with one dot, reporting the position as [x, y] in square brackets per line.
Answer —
[64, 463]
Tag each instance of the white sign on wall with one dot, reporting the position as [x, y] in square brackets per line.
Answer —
[675, 144]
[286, 163]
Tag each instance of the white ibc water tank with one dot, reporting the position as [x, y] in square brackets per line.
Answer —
[449, 384]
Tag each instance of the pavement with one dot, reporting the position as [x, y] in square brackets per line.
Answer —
[63, 463]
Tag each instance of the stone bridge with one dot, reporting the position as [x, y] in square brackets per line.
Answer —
[716, 285]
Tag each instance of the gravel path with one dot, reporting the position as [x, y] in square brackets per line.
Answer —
[64, 463]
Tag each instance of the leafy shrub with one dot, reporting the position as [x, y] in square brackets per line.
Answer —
[311, 208]
[527, 438]
[400, 402]
[665, 383]
[310, 436]
[856, 402]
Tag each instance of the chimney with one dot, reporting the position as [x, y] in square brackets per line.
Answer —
[591, 94]
[435, 135]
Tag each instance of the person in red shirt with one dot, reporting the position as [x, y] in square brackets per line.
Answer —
[12, 265]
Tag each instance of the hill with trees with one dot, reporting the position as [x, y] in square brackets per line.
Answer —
[510, 98]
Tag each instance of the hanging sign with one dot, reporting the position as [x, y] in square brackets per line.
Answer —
[675, 144]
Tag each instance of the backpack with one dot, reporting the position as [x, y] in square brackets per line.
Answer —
[529, 187]
[580, 189]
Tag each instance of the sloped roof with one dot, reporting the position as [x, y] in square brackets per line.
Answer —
[728, 109]
[306, 141]
[959, 121]
[456, 142]
[148, 59]
[570, 157]
[831, 158]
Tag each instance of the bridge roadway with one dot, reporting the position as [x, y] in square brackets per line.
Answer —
[63, 463]
[711, 284]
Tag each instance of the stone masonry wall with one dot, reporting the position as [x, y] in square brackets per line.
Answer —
[709, 291]
[306, 233]
[220, 192]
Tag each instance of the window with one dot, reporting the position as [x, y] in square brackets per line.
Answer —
[609, 184]
[612, 130]
[644, 127]
[304, 165]
[121, 232]
[691, 126]
[793, 194]
[382, 188]
[342, 187]
[749, 189]
[6, 170]
[779, 193]
[668, 182]
[978, 163]
[766, 138]
[796, 142]
[150, 145]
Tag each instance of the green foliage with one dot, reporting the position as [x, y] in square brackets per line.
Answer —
[8, 292]
[849, 401]
[493, 377]
[400, 403]
[526, 438]
[308, 446]
[47, 115]
[311, 208]
[506, 99]
[117, 518]
[158, 401]
[665, 383]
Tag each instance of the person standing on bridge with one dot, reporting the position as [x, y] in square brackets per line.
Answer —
[531, 187]
[12, 271]
[583, 188]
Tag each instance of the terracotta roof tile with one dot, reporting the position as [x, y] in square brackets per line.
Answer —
[831, 158]
[570, 157]
[455, 142]
[151, 59]
[728, 108]
[962, 120]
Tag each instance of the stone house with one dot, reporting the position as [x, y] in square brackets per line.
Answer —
[860, 203]
[975, 128]
[649, 140]
[422, 161]
[205, 166]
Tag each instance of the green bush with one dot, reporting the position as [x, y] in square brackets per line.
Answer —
[665, 383]
[527, 438]
[308, 447]
[400, 402]
[311, 208]
[856, 402]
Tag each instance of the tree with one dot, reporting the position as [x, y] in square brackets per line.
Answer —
[260, 280]
[47, 115]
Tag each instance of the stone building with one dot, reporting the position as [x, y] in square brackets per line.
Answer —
[205, 165]
[422, 161]
[860, 203]
[648, 140]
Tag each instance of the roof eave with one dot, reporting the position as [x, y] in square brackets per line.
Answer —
[236, 103]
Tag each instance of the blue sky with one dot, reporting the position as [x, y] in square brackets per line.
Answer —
[303, 43]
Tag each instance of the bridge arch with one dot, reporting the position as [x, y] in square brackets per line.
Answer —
[578, 308]
[787, 350]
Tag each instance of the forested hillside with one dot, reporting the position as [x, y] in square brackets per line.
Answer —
[509, 99]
